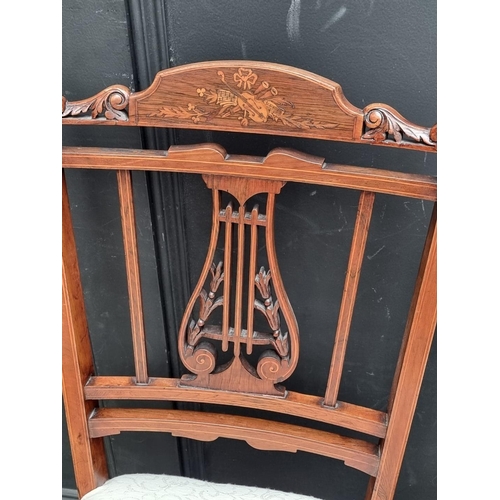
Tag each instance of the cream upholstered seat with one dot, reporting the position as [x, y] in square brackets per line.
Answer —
[163, 487]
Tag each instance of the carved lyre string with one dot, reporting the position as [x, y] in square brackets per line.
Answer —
[196, 348]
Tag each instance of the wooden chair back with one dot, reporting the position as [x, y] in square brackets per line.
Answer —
[239, 307]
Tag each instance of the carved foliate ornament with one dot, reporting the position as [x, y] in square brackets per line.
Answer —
[256, 291]
[111, 102]
[383, 123]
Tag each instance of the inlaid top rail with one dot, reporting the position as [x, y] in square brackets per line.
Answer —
[252, 97]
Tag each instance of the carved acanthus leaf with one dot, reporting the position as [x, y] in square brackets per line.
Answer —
[270, 310]
[111, 101]
[282, 345]
[381, 122]
[217, 276]
[262, 283]
[208, 303]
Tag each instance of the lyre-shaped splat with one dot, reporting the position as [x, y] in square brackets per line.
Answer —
[262, 288]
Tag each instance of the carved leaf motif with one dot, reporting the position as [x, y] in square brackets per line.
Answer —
[111, 101]
[382, 122]
[271, 314]
[217, 276]
[262, 282]
[282, 345]
[193, 333]
[208, 303]
[273, 317]
[269, 308]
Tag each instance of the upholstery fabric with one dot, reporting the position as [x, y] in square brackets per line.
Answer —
[163, 487]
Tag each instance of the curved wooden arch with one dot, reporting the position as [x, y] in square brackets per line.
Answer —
[257, 432]
[349, 416]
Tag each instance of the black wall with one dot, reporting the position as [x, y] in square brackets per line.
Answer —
[379, 51]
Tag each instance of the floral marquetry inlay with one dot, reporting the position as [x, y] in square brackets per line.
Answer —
[252, 97]
[245, 98]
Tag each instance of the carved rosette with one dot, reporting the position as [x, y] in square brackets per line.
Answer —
[251, 293]
[111, 102]
[385, 124]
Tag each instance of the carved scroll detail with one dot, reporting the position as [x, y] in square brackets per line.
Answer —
[110, 101]
[382, 121]
[203, 359]
[240, 100]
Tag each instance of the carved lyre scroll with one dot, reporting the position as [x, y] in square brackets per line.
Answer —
[265, 295]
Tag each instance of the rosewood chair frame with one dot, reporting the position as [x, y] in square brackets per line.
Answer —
[250, 97]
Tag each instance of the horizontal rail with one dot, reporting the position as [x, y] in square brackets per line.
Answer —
[346, 415]
[403, 144]
[282, 164]
[355, 453]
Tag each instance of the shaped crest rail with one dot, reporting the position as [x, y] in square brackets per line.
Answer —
[250, 96]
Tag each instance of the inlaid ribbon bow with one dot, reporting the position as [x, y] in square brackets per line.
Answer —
[245, 77]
